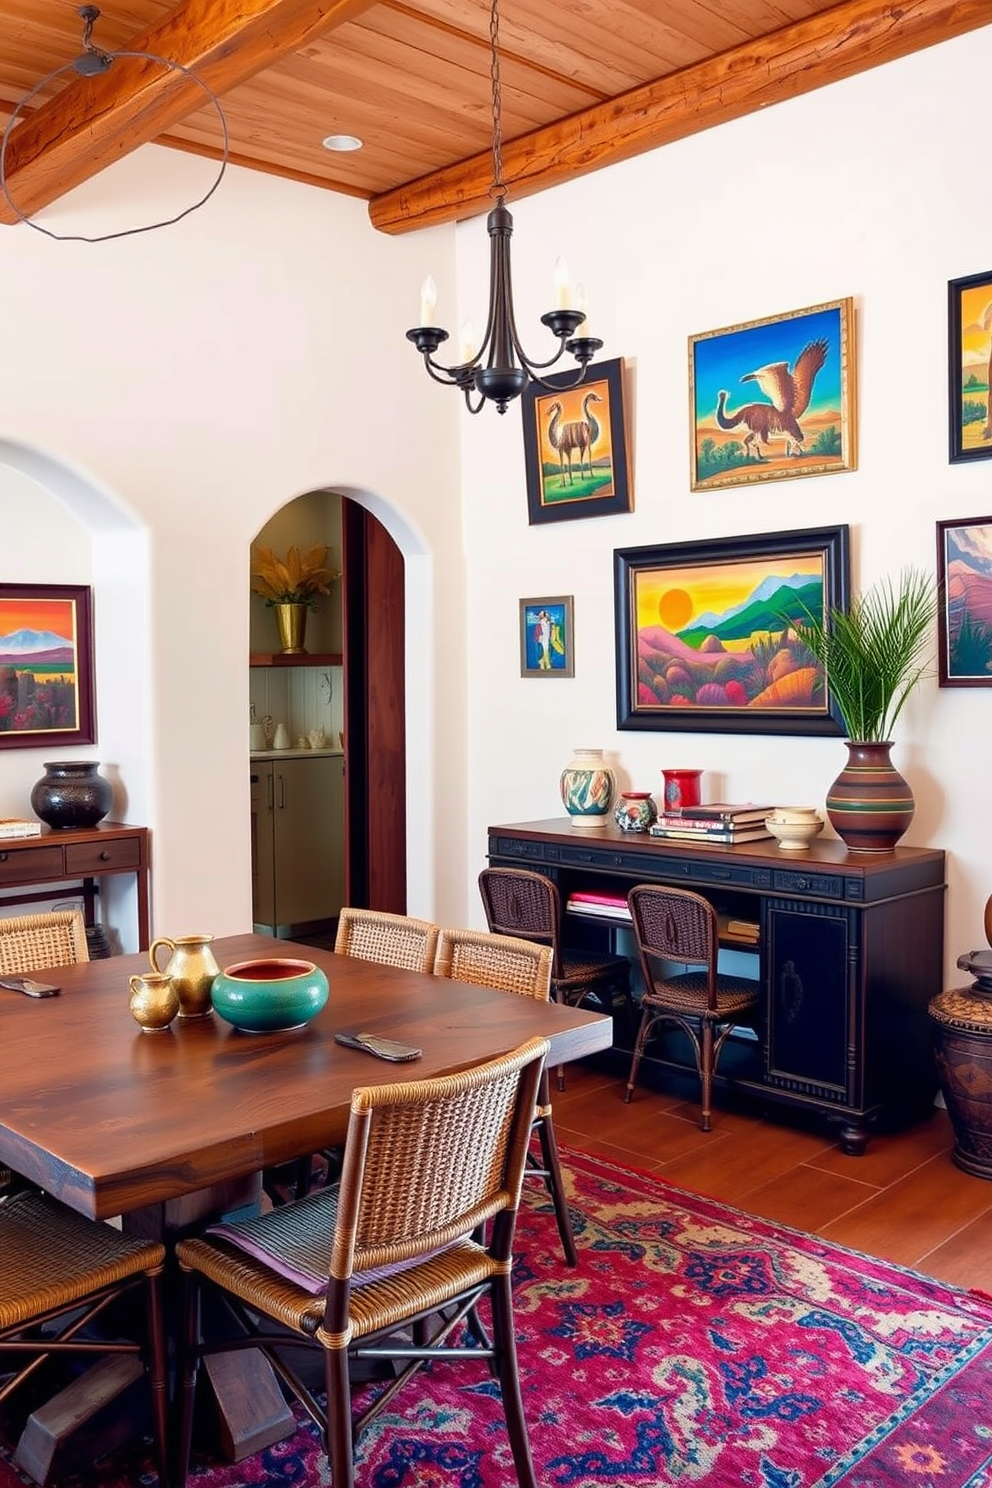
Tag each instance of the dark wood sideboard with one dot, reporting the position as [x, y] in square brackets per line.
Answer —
[70, 861]
[849, 952]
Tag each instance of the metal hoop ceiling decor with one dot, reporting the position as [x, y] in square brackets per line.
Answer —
[92, 63]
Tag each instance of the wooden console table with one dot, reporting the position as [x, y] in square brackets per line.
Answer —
[849, 952]
[67, 861]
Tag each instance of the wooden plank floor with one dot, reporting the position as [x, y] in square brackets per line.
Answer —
[904, 1199]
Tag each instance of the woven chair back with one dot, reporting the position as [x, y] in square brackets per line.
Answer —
[428, 1162]
[35, 942]
[502, 961]
[674, 925]
[390, 939]
[526, 904]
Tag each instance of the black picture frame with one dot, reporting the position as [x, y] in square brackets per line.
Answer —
[749, 647]
[46, 694]
[964, 594]
[563, 493]
[969, 367]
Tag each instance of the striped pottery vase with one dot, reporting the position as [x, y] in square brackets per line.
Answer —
[870, 805]
[587, 787]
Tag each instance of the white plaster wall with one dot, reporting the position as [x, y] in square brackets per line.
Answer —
[867, 188]
[174, 389]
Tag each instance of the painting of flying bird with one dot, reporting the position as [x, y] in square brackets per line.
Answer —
[774, 398]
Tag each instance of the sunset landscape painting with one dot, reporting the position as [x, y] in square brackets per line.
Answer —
[964, 571]
[714, 640]
[45, 665]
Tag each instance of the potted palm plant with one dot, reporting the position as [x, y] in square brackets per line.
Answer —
[873, 654]
[290, 586]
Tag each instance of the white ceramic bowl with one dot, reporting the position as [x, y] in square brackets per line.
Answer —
[794, 835]
[796, 814]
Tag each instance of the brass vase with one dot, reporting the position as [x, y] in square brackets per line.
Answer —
[292, 622]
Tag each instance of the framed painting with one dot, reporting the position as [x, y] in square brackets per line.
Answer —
[964, 615]
[773, 398]
[547, 645]
[969, 362]
[46, 666]
[575, 445]
[708, 633]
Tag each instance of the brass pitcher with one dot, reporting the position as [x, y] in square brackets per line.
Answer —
[192, 967]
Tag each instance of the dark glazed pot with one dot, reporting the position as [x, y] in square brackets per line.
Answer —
[870, 805]
[72, 794]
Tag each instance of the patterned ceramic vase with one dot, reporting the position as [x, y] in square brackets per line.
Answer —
[870, 805]
[587, 789]
[635, 811]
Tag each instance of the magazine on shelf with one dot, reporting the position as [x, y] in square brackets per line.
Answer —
[717, 811]
[15, 826]
[608, 906]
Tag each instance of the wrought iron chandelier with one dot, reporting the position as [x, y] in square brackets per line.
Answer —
[91, 63]
[501, 369]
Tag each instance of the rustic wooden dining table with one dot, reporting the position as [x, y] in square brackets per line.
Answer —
[171, 1129]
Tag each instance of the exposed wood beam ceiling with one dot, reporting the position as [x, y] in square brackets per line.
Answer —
[585, 84]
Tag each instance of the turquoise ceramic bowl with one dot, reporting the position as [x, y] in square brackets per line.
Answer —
[270, 995]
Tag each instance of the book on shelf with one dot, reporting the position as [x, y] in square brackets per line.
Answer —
[717, 811]
[748, 931]
[725, 834]
[609, 906]
[15, 826]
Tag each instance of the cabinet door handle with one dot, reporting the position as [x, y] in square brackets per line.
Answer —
[282, 793]
[269, 793]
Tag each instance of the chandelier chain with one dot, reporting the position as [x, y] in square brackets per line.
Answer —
[498, 188]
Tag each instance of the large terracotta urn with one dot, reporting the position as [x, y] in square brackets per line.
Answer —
[870, 805]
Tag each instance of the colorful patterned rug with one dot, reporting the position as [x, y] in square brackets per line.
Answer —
[693, 1345]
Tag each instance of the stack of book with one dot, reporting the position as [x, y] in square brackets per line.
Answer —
[719, 821]
[608, 906]
[746, 931]
[15, 826]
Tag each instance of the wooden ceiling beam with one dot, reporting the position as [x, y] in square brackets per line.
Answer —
[95, 121]
[826, 48]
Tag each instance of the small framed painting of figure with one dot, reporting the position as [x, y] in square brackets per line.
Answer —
[774, 398]
[546, 637]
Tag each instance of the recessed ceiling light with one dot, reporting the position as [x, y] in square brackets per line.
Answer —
[342, 142]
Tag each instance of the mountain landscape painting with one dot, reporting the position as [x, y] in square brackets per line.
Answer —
[44, 665]
[965, 617]
[714, 639]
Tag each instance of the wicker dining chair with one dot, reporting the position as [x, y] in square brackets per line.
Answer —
[518, 902]
[368, 935]
[59, 1272]
[392, 939]
[36, 942]
[429, 1167]
[523, 967]
[675, 925]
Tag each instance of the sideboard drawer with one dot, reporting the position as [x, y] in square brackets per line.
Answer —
[116, 854]
[27, 863]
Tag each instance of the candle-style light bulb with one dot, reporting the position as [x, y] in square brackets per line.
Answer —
[428, 301]
[581, 304]
[468, 347]
[563, 285]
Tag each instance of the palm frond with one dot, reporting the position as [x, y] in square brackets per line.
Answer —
[297, 579]
[874, 653]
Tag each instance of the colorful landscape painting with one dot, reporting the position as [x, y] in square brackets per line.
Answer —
[970, 338]
[773, 398]
[964, 562]
[712, 638]
[44, 639]
[575, 446]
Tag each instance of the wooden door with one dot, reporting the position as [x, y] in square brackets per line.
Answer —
[374, 712]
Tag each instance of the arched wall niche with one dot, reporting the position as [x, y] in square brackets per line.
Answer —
[83, 533]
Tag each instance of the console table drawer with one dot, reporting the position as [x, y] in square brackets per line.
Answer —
[29, 863]
[119, 853]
